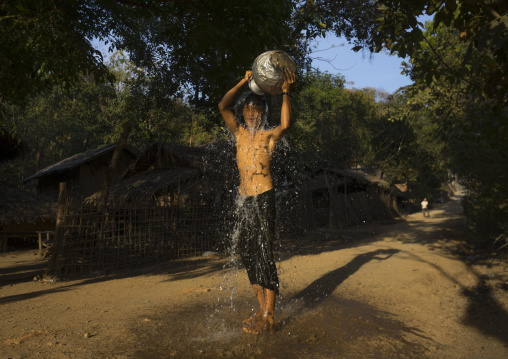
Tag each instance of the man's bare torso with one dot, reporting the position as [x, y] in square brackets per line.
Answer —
[254, 151]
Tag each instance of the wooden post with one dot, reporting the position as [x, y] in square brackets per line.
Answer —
[59, 230]
[310, 205]
[40, 243]
[3, 241]
[345, 200]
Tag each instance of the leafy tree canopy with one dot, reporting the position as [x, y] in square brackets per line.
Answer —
[482, 26]
[199, 45]
[185, 42]
[332, 124]
[45, 42]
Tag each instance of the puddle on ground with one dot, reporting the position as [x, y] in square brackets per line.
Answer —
[332, 329]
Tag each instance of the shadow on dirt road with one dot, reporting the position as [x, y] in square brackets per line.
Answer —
[315, 322]
[312, 324]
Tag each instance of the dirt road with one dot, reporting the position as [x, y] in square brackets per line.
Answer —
[411, 289]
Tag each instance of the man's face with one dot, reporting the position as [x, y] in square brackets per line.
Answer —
[252, 114]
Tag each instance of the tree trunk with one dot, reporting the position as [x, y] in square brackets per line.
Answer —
[333, 203]
[115, 159]
[59, 230]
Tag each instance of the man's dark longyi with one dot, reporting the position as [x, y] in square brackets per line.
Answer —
[256, 234]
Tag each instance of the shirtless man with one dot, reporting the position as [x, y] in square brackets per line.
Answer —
[255, 146]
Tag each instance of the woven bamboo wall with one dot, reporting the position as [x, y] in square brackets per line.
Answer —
[96, 242]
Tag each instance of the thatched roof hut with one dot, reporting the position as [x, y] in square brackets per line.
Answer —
[342, 198]
[172, 202]
[10, 146]
[84, 172]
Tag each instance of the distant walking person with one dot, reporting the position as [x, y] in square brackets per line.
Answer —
[425, 208]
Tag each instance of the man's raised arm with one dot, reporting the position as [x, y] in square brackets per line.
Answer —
[226, 101]
[285, 112]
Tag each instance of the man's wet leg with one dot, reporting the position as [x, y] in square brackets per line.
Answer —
[266, 322]
[270, 308]
[260, 296]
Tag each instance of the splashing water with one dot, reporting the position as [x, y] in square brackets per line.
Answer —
[244, 214]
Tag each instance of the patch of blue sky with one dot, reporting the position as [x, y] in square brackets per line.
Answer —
[380, 71]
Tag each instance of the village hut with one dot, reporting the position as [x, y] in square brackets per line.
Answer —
[341, 198]
[84, 172]
[24, 216]
[10, 146]
[172, 202]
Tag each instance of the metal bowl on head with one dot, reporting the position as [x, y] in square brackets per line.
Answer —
[255, 88]
[267, 71]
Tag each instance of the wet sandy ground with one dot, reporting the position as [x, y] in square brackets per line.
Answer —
[409, 289]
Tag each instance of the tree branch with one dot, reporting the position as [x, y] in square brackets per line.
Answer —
[490, 10]
[145, 5]
[306, 9]
[448, 68]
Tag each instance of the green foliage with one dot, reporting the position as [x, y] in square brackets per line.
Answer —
[44, 43]
[487, 215]
[333, 125]
[480, 26]
[203, 46]
[193, 45]
[197, 44]
[339, 127]
[62, 122]
[404, 146]
[351, 19]
[469, 127]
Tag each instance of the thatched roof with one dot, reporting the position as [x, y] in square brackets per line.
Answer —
[208, 168]
[367, 177]
[10, 146]
[213, 159]
[357, 175]
[24, 207]
[144, 186]
[77, 160]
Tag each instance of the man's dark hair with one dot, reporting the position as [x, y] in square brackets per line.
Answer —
[256, 100]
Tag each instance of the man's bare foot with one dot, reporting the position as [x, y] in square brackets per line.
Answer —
[255, 318]
[259, 327]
